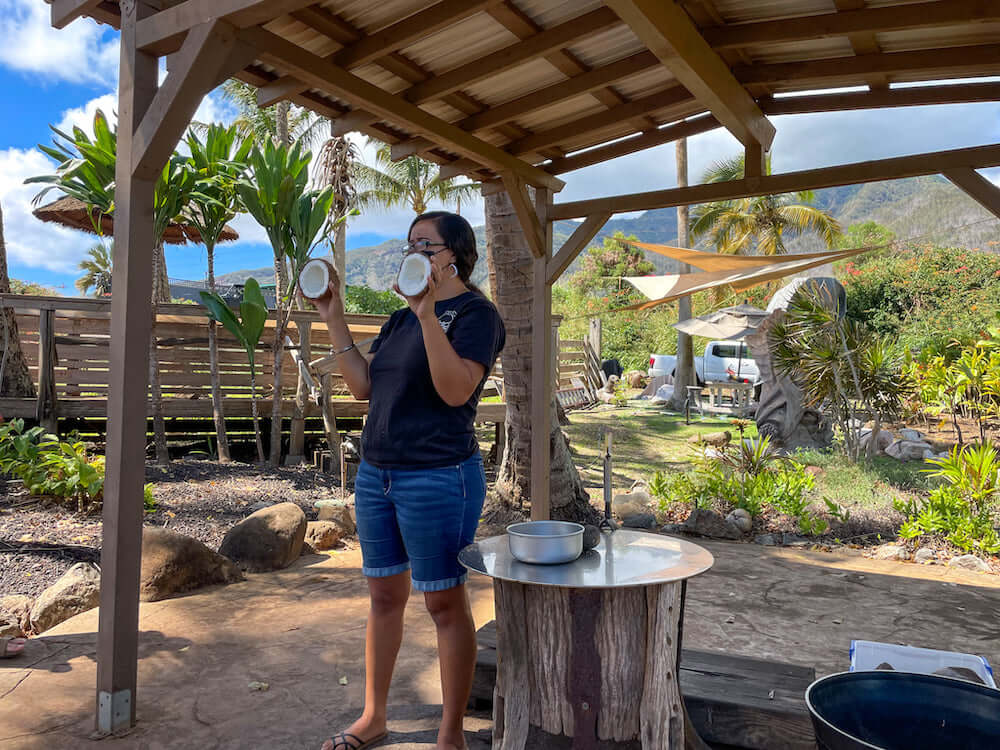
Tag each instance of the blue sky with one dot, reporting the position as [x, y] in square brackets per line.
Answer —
[49, 76]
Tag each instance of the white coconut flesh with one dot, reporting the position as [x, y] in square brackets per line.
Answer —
[413, 273]
[314, 279]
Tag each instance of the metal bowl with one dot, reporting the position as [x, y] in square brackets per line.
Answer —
[545, 542]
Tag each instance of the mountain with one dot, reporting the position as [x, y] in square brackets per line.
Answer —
[926, 209]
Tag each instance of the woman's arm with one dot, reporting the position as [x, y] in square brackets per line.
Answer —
[455, 379]
[353, 364]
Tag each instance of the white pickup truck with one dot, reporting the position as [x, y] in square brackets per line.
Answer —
[724, 361]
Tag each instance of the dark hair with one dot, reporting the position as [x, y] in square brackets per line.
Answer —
[461, 240]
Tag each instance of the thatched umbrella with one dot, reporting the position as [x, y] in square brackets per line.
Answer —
[73, 213]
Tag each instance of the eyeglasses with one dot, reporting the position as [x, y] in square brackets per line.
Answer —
[420, 246]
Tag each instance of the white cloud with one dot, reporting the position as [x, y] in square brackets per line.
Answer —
[30, 241]
[83, 52]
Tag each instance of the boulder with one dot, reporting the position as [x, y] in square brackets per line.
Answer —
[269, 539]
[78, 590]
[339, 512]
[742, 519]
[711, 524]
[321, 535]
[794, 540]
[925, 555]
[969, 562]
[639, 521]
[715, 439]
[631, 503]
[883, 441]
[15, 611]
[672, 528]
[891, 552]
[915, 436]
[907, 450]
[173, 563]
[768, 540]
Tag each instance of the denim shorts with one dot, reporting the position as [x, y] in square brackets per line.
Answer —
[419, 519]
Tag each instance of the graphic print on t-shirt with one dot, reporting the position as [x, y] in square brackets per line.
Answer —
[447, 318]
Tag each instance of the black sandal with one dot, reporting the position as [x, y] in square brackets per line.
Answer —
[340, 741]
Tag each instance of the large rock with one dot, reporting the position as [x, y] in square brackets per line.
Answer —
[914, 436]
[631, 504]
[173, 563]
[321, 535]
[639, 521]
[741, 519]
[891, 552]
[711, 524]
[969, 562]
[269, 539]
[908, 450]
[78, 590]
[883, 441]
[716, 439]
[340, 513]
[925, 555]
[15, 611]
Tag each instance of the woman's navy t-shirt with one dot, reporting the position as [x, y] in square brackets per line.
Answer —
[409, 425]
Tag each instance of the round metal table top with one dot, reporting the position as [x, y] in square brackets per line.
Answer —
[622, 558]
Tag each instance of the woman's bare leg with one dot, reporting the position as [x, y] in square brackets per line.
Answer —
[383, 636]
[456, 637]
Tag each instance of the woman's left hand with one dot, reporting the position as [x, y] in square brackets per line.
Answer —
[422, 305]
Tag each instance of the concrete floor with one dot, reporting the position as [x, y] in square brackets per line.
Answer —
[302, 629]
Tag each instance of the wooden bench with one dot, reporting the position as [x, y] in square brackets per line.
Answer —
[736, 701]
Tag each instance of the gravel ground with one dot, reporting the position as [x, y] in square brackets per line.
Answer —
[40, 539]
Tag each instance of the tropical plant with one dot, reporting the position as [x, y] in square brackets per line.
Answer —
[247, 328]
[97, 271]
[295, 220]
[408, 183]
[217, 164]
[758, 225]
[279, 123]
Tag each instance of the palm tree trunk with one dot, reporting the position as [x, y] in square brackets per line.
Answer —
[278, 350]
[340, 256]
[281, 122]
[213, 365]
[253, 411]
[684, 372]
[507, 255]
[156, 395]
[15, 380]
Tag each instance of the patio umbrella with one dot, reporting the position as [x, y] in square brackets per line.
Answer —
[73, 213]
[728, 323]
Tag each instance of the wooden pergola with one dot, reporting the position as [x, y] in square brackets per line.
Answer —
[512, 93]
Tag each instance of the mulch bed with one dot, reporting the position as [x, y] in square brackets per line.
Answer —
[40, 539]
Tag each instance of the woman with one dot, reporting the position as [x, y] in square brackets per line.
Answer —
[420, 487]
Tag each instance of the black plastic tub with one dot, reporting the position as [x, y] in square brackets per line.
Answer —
[903, 711]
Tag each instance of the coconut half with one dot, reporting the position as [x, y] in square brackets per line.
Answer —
[314, 280]
[413, 273]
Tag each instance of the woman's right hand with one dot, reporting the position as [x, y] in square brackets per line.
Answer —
[330, 306]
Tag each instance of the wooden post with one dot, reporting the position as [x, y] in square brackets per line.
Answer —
[297, 440]
[541, 368]
[46, 410]
[330, 423]
[131, 322]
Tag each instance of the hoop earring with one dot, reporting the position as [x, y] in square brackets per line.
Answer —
[454, 270]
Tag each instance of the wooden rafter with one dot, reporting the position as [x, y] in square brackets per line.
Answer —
[977, 187]
[640, 142]
[670, 97]
[326, 76]
[64, 12]
[937, 162]
[534, 232]
[977, 60]
[512, 56]
[574, 244]
[900, 97]
[846, 22]
[671, 35]
[210, 51]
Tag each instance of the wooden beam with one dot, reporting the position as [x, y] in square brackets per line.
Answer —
[326, 76]
[131, 324]
[460, 167]
[406, 149]
[914, 96]
[977, 187]
[670, 97]
[575, 86]
[530, 223]
[978, 60]
[541, 350]
[64, 12]
[754, 161]
[209, 52]
[510, 57]
[640, 142]
[281, 88]
[574, 244]
[667, 30]
[867, 20]
[352, 122]
[163, 32]
[937, 162]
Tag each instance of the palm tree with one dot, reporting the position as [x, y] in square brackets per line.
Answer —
[411, 182]
[759, 225]
[15, 380]
[97, 271]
